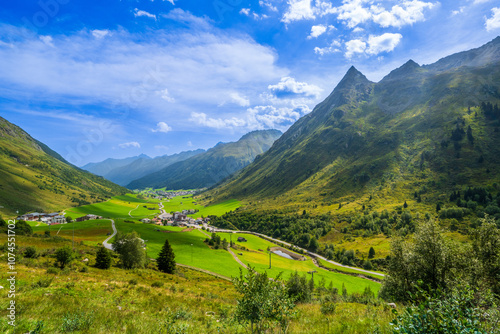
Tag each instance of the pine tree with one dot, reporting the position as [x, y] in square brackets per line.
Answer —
[103, 259]
[166, 259]
[371, 253]
[405, 205]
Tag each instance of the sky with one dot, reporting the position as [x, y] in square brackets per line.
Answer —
[118, 78]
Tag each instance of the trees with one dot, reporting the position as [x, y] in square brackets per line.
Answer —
[64, 256]
[131, 250]
[371, 253]
[486, 245]
[166, 259]
[103, 258]
[262, 302]
[428, 257]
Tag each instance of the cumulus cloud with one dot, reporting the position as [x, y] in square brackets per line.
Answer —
[100, 33]
[356, 12]
[383, 43]
[354, 46]
[289, 87]
[138, 13]
[162, 127]
[375, 45]
[271, 117]
[298, 10]
[132, 144]
[245, 11]
[317, 31]
[47, 40]
[494, 21]
[334, 47]
[217, 123]
[407, 13]
[240, 100]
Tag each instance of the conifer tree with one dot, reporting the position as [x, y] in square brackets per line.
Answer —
[166, 259]
[103, 259]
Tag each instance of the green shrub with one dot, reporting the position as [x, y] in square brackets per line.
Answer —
[30, 252]
[64, 256]
[77, 321]
[133, 281]
[53, 270]
[157, 284]
[42, 283]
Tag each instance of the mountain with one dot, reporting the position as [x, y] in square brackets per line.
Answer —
[124, 171]
[35, 178]
[107, 166]
[144, 166]
[419, 130]
[216, 164]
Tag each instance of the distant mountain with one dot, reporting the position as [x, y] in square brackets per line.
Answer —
[206, 169]
[420, 130]
[35, 178]
[144, 166]
[107, 166]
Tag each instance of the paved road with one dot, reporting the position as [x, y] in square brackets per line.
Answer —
[129, 213]
[305, 250]
[105, 242]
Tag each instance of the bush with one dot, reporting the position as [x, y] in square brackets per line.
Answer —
[133, 281]
[30, 252]
[103, 258]
[53, 270]
[64, 256]
[328, 305]
[42, 283]
[157, 284]
[130, 248]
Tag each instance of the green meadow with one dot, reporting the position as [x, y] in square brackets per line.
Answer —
[90, 232]
[187, 202]
[126, 206]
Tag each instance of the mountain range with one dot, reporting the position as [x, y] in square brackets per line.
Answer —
[419, 133]
[35, 178]
[212, 166]
[124, 171]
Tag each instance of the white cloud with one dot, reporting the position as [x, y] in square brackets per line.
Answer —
[240, 100]
[162, 127]
[383, 43]
[298, 10]
[354, 46]
[217, 123]
[47, 40]
[132, 144]
[245, 11]
[171, 1]
[353, 12]
[271, 117]
[460, 10]
[358, 29]
[289, 87]
[268, 5]
[165, 94]
[494, 21]
[100, 33]
[138, 12]
[317, 31]
[476, 2]
[407, 13]
[161, 148]
[334, 47]
[189, 143]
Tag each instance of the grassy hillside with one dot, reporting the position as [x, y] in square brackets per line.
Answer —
[416, 136]
[35, 178]
[206, 169]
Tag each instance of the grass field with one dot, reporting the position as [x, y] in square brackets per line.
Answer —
[260, 260]
[90, 232]
[118, 207]
[180, 203]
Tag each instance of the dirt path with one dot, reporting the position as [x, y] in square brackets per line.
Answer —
[315, 261]
[237, 259]
[129, 213]
[105, 242]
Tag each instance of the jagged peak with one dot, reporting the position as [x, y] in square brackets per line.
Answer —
[352, 77]
[406, 69]
[273, 132]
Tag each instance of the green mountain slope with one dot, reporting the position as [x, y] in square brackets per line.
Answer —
[35, 178]
[144, 166]
[379, 143]
[206, 169]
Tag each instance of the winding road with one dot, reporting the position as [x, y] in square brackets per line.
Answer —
[105, 242]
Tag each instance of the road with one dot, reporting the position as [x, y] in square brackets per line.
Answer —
[129, 213]
[105, 242]
[305, 250]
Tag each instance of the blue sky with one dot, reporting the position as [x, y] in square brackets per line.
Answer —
[99, 79]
